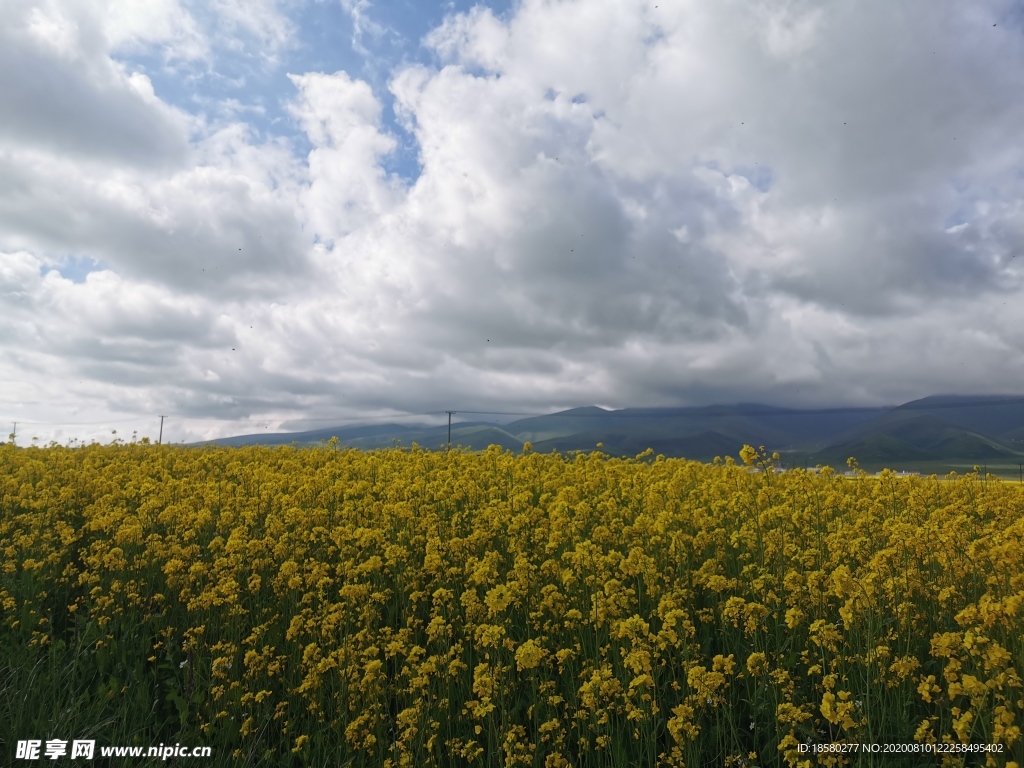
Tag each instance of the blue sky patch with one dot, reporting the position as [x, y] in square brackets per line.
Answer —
[74, 268]
[243, 84]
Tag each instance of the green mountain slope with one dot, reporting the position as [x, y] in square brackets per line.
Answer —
[365, 436]
[936, 428]
[746, 423]
[908, 436]
[998, 416]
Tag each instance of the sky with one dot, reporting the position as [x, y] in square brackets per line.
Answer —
[251, 215]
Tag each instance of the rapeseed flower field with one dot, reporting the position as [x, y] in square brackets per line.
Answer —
[294, 607]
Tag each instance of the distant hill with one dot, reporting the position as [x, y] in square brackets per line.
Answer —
[536, 429]
[904, 434]
[701, 447]
[999, 416]
[732, 425]
[932, 429]
[313, 437]
[381, 435]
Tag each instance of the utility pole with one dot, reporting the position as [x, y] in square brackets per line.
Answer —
[449, 429]
[160, 439]
[1021, 468]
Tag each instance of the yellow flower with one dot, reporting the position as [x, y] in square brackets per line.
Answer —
[529, 655]
[757, 663]
[794, 616]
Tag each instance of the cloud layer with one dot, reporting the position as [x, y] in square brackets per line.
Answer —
[620, 204]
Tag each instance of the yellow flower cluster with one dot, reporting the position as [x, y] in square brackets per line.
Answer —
[411, 608]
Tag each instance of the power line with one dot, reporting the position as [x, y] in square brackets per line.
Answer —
[708, 410]
[633, 413]
[660, 415]
[333, 420]
[79, 423]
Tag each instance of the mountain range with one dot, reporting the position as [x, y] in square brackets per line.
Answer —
[952, 430]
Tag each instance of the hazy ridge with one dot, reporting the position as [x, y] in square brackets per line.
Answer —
[942, 428]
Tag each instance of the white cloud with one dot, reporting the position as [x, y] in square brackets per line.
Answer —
[347, 187]
[789, 28]
[133, 27]
[213, 229]
[620, 203]
[62, 93]
[477, 38]
[47, 27]
[362, 24]
[240, 21]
